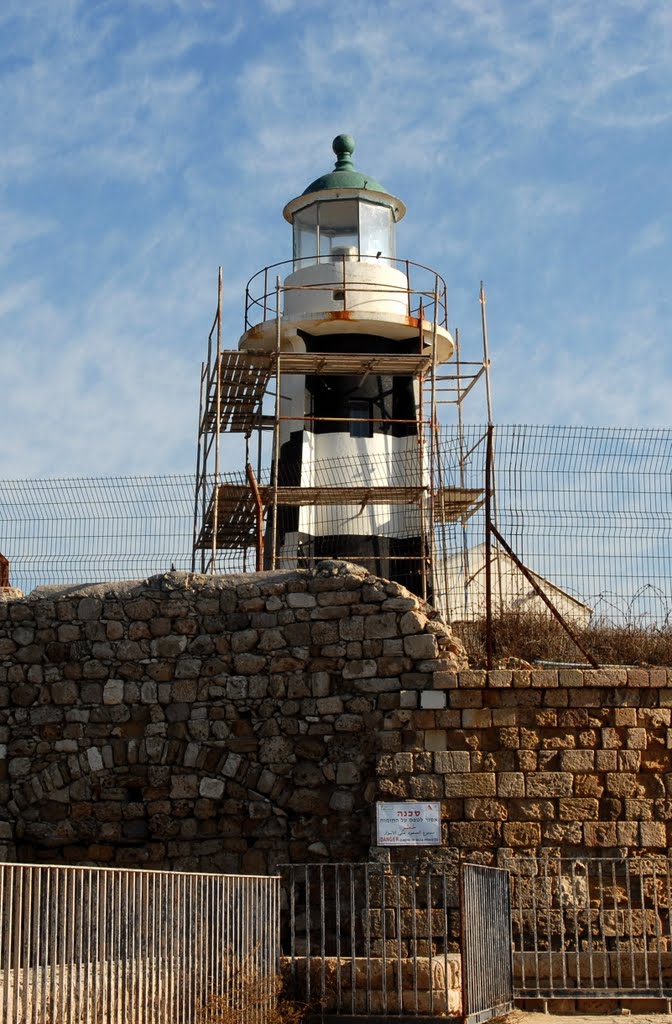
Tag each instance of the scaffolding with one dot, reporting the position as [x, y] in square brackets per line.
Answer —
[241, 391]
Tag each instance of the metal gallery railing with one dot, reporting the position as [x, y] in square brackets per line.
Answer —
[107, 946]
[592, 928]
[424, 289]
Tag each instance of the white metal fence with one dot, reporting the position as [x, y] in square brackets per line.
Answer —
[108, 946]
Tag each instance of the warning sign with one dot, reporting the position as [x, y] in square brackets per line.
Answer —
[409, 824]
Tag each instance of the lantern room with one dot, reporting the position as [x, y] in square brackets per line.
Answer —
[345, 278]
[344, 214]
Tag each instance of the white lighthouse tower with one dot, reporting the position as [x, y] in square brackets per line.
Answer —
[355, 421]
[339, 359]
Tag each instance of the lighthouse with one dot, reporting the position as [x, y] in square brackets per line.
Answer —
[366, 327]
[339, 360]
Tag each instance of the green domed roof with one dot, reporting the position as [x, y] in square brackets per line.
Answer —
[344, 174]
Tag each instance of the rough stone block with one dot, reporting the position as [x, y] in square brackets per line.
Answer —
[349, 723]
[61, 693]
[588, 785]
[420, 647]
[113, 691]
[510, 784]
[622, 784]
[342, 801]
[447, 761]
[639, 677]
[627, 833]
[476, 718]
[504, 716]
[570, 677]
[360, 669]
[544, 678]
[475, 834]
[625, 716]
[412, 622]
[426, 787]
[89, 608]
[443, 680]
[653, 833]
[606, 677]
[435, 739]
[472, 784]
[380, 626]
[519, 833]
[549, 784]
[577, 760]
[95, 759]
[606, 760]
[654, 718]
[578, 809]
[483, 809]
[472, 679]
[600, 833]
[611, 739]
[636, 739]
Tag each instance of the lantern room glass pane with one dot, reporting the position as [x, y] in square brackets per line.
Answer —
[305, 235]
[376, 232]
[329, 230]
[339, 229]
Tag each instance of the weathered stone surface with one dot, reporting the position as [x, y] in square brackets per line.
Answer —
[219, 723]
[421, 646]
[472, 784]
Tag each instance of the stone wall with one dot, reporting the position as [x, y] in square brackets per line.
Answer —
[572, 761]
[233, 723]
[205, 723]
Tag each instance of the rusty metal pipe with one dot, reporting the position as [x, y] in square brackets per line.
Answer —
[259, 506]
[547, 601]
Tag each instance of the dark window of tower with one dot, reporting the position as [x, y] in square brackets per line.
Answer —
[359, 414]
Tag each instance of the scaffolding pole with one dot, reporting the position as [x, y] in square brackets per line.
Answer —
[218, 415]
[276, 429]
[235, 385]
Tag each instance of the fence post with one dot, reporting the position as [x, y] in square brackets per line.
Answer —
[488, 549]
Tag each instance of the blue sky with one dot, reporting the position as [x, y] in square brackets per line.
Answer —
[146, 142]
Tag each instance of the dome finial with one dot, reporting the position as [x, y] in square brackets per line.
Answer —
[343, 146]
[344, 174]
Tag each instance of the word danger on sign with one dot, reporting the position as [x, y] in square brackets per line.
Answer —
[409, 824]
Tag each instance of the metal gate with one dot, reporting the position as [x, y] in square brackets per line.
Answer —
[588, 928]
[373, 940]
[485, 917]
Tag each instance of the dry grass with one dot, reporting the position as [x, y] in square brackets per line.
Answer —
[531, 637]
[252, 1000]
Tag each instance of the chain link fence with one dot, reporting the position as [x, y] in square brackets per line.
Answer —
[94, 530]
[588, 510]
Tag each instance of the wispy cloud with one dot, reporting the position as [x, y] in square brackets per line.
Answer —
[146, 143]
